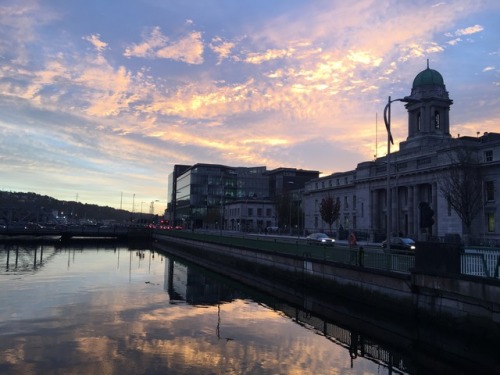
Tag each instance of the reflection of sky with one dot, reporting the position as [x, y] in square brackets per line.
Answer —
[95, 312]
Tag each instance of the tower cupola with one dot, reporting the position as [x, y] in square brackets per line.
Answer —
[428, 113]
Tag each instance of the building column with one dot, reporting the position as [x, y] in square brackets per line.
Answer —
[373, 208]
[434, 208]
[416, 212]
[411, 212]
[394, 211]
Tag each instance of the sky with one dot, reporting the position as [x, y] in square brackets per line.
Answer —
[100, 99]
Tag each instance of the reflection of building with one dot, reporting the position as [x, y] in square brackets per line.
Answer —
[417, 172]
[201, 195]
[185, 284]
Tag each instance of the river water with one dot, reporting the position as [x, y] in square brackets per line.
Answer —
[108, 309]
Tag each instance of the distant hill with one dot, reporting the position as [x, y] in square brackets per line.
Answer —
[31, 207]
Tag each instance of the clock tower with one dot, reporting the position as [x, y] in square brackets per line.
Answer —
[429, 114]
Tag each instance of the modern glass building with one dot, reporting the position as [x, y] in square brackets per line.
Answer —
[201, 192]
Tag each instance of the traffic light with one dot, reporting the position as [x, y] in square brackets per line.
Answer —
[426, 215]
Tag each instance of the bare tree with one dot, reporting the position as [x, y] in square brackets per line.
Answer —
[329, 210]
[283, 209]
[462, 185]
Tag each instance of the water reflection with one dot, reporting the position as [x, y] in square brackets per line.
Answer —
[94, 309]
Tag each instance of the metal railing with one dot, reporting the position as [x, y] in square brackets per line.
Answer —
[363, 257]
[480, 262]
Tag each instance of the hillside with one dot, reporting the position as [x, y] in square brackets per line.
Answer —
[35, 208]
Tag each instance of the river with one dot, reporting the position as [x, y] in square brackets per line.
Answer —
[108, 309]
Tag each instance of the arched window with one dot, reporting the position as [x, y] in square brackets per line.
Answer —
[419, 122]
[437, 119]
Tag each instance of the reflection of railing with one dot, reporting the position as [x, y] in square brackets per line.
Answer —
[23, 259]
[480, 262]
[357, 344]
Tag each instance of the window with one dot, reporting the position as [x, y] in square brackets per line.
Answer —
[353, 202]
[490, 221]
[490, 191]
[250, 212]
[488, 156]
[346, 203]
[419, 122]
[436, 120]
[346, 221]
[268, 212]
[259, 212]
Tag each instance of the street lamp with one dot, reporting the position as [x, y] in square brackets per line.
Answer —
[390, 140]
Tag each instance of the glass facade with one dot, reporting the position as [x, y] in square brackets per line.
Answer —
[204, 190]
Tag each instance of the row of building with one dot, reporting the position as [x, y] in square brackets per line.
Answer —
[435, 185]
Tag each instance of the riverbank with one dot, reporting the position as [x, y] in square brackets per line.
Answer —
[430, 290]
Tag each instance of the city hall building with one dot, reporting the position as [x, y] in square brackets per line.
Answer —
[402, 193]
[389, 193]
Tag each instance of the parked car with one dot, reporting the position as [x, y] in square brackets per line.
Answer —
[401, 243]
[320, 238]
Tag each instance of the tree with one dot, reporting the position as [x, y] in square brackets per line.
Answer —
[283, 209]
[329, 210]
[462, 185]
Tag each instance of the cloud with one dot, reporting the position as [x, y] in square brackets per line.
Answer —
[189, 48]
[221, 48]
[454, 41]
[270, 54]
[148, 47]
[99, 45]
[469, 30]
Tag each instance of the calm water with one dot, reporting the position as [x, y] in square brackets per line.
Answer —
[98, 310]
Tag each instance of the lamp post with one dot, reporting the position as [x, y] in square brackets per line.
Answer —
[141, 214]
[390, 140]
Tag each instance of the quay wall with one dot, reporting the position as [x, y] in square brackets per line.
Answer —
[345, 280]
[456, 302]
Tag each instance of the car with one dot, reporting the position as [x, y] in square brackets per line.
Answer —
[401, 243]
[320, 239]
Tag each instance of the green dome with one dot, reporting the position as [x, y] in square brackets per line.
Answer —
[428, 77]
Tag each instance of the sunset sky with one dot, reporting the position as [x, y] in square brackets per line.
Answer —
[100, 98]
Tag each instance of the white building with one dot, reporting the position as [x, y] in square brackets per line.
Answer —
[417, 174]
[250, 215]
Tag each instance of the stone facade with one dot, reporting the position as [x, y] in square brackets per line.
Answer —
[416, 175]
[250, 216]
